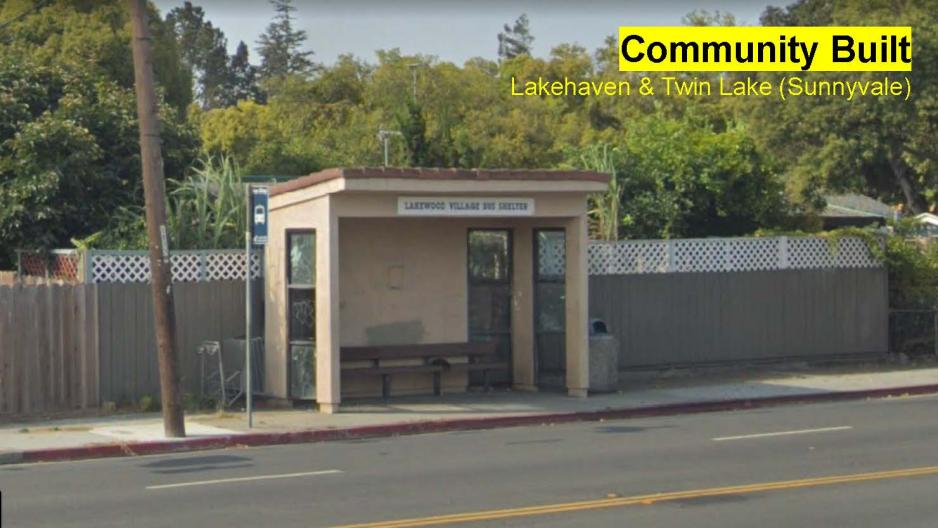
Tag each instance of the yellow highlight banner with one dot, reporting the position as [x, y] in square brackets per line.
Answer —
[780, 49]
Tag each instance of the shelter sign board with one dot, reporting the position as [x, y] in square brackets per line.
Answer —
[464, 206]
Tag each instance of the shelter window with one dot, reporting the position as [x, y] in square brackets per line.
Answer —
[301, 316]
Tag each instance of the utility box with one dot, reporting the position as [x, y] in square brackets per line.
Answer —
[604, 358]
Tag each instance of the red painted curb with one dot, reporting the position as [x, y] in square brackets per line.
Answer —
[439, 426]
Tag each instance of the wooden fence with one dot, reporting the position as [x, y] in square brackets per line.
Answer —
[48, 348]
[204, 311]
[669, 319]
[72, 346]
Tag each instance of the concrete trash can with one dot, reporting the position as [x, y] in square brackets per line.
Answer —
[604, 358]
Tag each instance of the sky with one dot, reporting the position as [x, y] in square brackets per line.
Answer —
[451, 30]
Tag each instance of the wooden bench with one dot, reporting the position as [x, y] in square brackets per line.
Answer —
[435, 359]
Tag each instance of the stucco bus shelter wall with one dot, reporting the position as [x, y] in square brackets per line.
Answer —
[212, 310]
[48, 348]
[697, 318]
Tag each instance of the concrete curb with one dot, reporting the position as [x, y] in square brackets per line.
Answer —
[437, 426]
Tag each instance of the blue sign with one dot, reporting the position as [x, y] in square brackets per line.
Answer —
[258, 216]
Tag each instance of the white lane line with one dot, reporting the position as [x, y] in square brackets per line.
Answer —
[784, 433]
[245, 479]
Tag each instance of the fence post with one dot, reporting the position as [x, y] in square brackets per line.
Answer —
[84, 265]
[203, 266]
[727, 255]
[672, 265]
[783, 252]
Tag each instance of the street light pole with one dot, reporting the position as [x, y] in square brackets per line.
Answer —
[413, 70]
[157, 236]
[383, 136]
[249, 387]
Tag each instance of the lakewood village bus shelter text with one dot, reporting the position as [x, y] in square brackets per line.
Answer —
[371, 273]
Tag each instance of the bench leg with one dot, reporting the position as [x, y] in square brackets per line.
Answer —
[436, 384]
[386, 386]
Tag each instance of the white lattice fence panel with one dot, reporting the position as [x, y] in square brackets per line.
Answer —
[806, 253]
[120, 267]
[726, 254]
[699, 255]
[224, 266]
[188, 266]
[854, 253]
[751, 254]
[628, 256]
[230, 266]
[257, 266]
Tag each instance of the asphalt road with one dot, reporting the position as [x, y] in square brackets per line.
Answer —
[866, 463]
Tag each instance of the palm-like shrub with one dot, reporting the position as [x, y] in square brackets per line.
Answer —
[604, 207]
[207, 209]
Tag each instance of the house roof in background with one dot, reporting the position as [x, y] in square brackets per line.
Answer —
[856, 205]
[927, 218]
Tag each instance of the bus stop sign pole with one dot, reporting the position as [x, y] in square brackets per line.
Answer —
[254, 235]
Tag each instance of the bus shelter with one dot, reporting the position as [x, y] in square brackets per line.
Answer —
[372, 257]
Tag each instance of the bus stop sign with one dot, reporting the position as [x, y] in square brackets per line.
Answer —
[258, 216]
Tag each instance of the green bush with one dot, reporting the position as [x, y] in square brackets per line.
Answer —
[205, 210]
[913, 273]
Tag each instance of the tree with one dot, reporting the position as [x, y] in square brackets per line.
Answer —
[702, 17]
[707, 183]
[93, 38]
[258, 138]
[242, 78]
[68, 155]
[203, 49]
[879, 146]
[515, 40]
[800, 13]
[280, 46]
[414, 129]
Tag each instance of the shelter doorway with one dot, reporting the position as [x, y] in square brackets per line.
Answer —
[489, 268]
[550, 309]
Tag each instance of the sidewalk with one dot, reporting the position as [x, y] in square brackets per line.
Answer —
[673, 392]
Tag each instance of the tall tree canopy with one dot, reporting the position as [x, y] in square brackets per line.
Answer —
[884, 147]
[516, 39]
[281, 45]
[242, 78]
[69, 155]
[203, 49]
[685, 166]
[94, 38]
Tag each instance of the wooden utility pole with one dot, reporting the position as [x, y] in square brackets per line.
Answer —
[157, 236]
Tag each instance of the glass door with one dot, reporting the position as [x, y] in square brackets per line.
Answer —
[550, 309]
[301, 316]
[489, 270]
